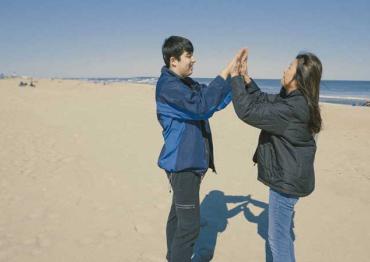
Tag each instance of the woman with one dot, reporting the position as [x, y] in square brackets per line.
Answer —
[286, 148]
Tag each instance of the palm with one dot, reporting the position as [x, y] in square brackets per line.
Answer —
[234, 65]
[244, 64]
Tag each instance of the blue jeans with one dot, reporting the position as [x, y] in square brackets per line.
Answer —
[280, 227]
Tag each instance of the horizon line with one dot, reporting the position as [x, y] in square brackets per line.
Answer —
[121, 77]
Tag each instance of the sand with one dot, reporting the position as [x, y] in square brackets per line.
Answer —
[79, 179]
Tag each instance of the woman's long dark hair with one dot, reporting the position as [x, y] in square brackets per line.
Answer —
[308, 77]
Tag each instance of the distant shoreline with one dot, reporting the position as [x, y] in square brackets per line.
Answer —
[345, 92]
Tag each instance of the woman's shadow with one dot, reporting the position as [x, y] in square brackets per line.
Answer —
[214, 220]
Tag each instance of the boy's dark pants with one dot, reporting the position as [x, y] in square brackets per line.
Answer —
[183, 222]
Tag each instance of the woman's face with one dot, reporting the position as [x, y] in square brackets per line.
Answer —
[289, 74]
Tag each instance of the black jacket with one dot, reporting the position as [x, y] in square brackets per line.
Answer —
[286, 148]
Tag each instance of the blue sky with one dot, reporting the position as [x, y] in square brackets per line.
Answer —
[93, 38]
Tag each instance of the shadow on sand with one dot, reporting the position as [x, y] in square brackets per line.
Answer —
[214, 220]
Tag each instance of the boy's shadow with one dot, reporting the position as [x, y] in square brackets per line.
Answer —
[214, 220]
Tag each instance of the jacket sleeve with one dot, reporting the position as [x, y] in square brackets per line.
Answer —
[257, 109]
[177, 100]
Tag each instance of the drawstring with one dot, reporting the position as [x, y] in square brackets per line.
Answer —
[170, 185]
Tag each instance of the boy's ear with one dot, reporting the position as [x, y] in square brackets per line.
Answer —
[173, 61]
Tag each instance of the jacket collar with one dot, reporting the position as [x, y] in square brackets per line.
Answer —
[166, 70]
[186, 80]
[284, 94]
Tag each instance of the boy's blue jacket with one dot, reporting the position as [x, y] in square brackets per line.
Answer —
[183, 109]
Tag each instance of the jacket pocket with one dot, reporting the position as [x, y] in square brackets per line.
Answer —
[264, 161]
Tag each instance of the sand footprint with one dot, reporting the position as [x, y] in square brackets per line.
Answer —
[143, 228]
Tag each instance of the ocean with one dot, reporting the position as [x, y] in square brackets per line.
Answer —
[347, 92]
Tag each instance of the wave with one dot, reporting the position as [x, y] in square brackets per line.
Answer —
[345, 97]
[142, 80]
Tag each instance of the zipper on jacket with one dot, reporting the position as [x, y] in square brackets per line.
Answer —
[207, 147]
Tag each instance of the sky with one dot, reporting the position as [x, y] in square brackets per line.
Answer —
[91, 38]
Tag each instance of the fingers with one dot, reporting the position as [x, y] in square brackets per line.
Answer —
[242, 54]
[241, 59]
[245, 55]
[237, 64]
[243, 67]
[238, 57]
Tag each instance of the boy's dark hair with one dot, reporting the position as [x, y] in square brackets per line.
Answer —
[175, 46]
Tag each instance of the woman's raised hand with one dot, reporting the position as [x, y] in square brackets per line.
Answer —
[244, 67]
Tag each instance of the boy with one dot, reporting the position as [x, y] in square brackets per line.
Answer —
[183, 109]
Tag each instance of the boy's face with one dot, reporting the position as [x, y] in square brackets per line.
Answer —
[184, 66]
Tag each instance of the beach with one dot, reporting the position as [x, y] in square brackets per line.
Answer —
[79, 179]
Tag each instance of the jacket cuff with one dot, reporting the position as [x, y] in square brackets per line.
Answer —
[252, 87]
[237, 80]
[219, 80]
